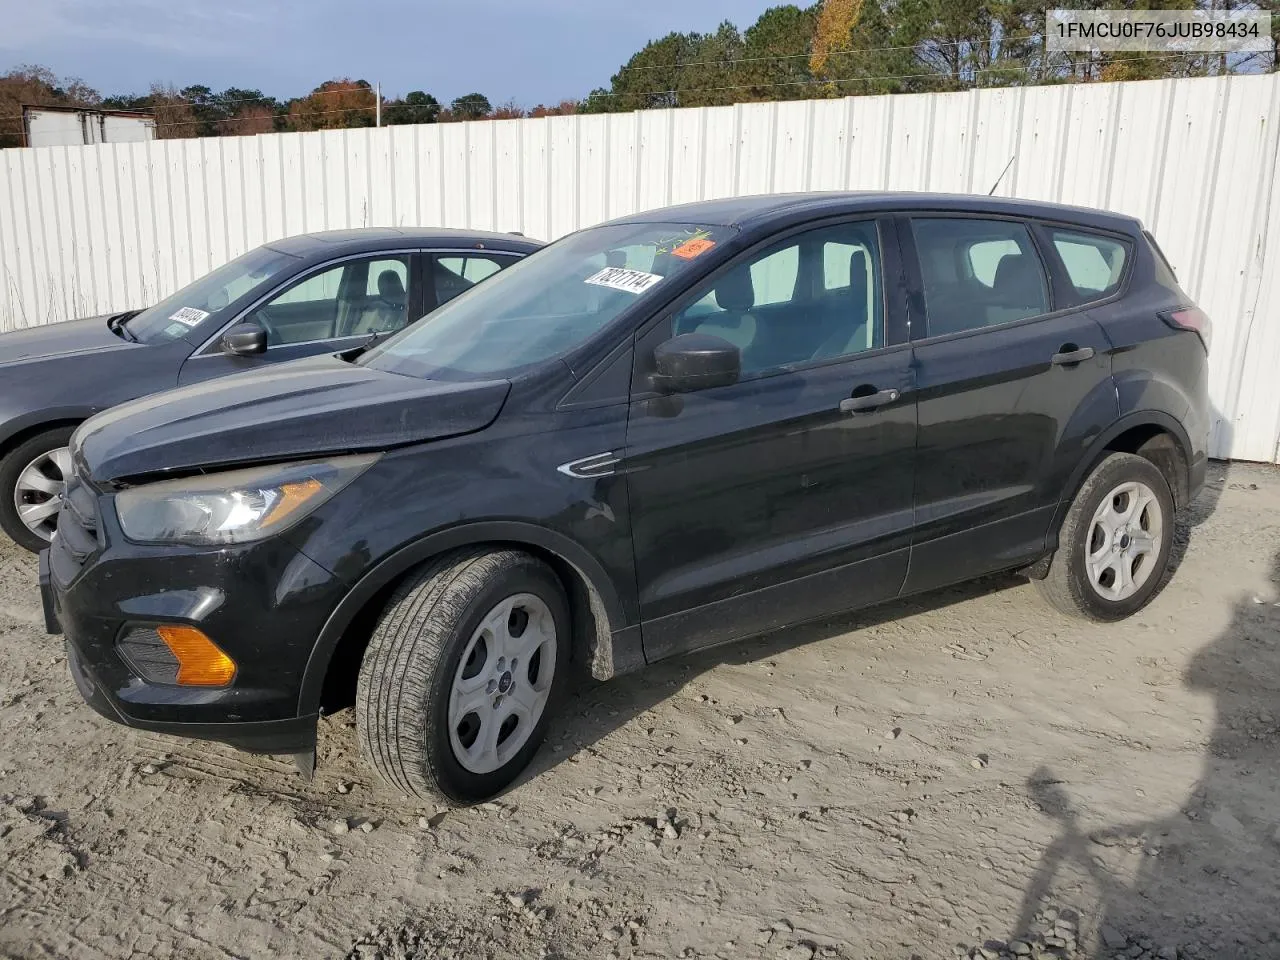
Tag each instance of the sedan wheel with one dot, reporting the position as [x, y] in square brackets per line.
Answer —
[33, 480]
[37, 496]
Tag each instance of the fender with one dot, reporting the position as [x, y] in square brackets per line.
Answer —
[621, 639]
[42, 418]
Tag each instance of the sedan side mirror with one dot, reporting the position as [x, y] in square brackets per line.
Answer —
[245, 339]
[695, 361]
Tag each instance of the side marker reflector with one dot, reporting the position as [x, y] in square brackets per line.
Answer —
[201, 662]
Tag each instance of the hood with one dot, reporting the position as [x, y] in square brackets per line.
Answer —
[61, 340]
[322, 405]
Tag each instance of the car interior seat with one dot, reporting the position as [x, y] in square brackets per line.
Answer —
[387, 312]
[1018, 289]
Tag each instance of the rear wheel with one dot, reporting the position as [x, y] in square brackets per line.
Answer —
[1113, 549]
[459, 678]
[33, 478]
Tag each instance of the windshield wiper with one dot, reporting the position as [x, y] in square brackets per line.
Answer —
[353, 353]
[118, 325]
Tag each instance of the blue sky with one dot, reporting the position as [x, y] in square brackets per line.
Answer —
[527, 50]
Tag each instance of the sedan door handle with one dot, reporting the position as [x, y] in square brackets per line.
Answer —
[868, 402]
[1069, 354]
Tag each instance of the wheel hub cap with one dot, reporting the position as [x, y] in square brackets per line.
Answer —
[1126, 536]
[502, 683]
[37, 496]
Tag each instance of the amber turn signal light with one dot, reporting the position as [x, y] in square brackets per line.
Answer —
[201, 662]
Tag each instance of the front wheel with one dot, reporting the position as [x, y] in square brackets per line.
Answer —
[459, 677]
[33, 478]
[1113, 549]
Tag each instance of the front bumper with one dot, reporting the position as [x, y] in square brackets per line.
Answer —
[264, 604]
[294, 735]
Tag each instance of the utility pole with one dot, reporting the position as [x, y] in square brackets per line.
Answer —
[377, 115]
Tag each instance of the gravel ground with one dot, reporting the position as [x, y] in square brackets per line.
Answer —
[965, 774]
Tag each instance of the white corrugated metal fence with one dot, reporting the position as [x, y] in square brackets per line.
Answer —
[85, 230]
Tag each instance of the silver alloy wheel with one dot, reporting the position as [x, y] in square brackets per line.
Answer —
[502, 683]
[1124, 542]
[38, 493]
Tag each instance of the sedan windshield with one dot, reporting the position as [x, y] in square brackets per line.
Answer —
[173, 317]
[547, 304]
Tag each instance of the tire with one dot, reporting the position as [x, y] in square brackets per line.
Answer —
[413, 668]
[32, 452]
[1102, 524]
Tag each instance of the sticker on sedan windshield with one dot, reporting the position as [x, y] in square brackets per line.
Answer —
[188, 316]
[620, 278]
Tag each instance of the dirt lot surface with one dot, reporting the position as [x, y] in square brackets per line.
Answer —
[935, 778]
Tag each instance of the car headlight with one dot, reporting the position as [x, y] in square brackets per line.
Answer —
[238, 506]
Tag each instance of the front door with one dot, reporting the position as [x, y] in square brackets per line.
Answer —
[333, 308]
[788, 494]
[1010, 392]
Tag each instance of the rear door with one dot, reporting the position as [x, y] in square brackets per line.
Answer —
[787, 495]
[1013, 382]
[327, 309]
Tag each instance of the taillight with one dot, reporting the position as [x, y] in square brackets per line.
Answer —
[1192, 318]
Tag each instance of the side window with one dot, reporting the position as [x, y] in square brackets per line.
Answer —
[351, 298]
[319, 286]
[813, 296]
[774, 277]
[1094, 264]
[454, 275]
[978, 273]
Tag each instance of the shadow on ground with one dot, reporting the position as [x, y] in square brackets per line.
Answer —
[1204, 882]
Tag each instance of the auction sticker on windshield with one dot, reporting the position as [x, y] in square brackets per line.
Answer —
[693, 248]
[620, 278]
[188, 316]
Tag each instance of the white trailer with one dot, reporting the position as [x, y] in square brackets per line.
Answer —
[77, 126]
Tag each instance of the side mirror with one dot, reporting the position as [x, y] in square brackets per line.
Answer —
[695, 361]
[245, 339]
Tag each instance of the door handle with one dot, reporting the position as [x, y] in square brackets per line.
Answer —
[1069, 354]
[868, 402]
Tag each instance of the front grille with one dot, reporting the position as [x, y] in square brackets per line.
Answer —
[78, 522]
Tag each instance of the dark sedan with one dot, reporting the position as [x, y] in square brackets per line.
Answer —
[306, 295]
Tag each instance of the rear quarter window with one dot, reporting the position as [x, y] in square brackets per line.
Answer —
[1093, 263]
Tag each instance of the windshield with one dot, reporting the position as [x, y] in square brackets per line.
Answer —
[545, 305]
[174, 316]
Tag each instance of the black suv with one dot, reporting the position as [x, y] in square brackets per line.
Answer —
[659, 434]
[306, 295]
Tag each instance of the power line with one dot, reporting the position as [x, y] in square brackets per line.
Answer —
[263, 100]
[832, 53]
[934, 74]
[184, 123]
[924, 46]
[891, 76]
